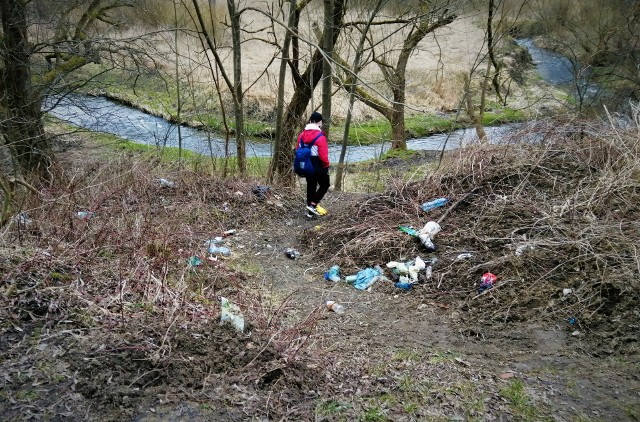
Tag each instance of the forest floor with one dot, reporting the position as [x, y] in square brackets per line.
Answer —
[104, 319]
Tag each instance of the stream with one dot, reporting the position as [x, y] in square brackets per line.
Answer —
[102, 115]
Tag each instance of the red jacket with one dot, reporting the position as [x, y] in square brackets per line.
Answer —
[319, 150]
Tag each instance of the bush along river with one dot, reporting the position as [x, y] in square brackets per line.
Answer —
[103, 115]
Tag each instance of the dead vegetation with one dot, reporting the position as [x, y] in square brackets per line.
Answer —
[106, 307]
[556, 212]
[106, 313]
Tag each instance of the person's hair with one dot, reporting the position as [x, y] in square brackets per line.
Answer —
[315, 117]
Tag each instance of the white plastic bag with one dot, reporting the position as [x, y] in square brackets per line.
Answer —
[231, 313]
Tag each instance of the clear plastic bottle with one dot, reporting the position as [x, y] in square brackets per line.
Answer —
[335, 307]
[427, 206]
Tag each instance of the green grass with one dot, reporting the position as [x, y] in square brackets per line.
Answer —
[520, 403]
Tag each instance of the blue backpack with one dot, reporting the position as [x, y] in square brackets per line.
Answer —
[302, 164]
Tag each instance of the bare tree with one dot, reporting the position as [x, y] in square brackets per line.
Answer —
[305, 82]
[418, 22]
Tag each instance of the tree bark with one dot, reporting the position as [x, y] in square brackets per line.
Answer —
[327, 46]
[237, 87]
[306, 83]
[21, 105]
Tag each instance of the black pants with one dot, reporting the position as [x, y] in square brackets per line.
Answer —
[317, 186]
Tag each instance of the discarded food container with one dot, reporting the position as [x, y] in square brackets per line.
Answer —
[487, 281]
[219, 250]
[333, 274]
[230, 312]
[167, 183]
[436, 203]
[335, 307]
[292, 253]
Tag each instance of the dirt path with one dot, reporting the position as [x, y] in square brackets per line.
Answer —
[392, 356]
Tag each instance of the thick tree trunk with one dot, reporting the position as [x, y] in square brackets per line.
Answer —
[21, 124]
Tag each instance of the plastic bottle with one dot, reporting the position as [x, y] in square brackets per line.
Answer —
[335, 307]
[427, 206]
[333, 274]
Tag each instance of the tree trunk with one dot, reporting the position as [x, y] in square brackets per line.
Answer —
[22, 115]
[305, 84]
[237, 87]
[280, 144]
[327, 46]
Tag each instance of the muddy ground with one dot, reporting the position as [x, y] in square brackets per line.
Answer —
[103, 319]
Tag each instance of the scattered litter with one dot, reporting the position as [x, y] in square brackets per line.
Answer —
[576, 333]
[429, 272]
[194, 261]
[317, 227]
[431, 229]
[22, 218]
[524, 248]
[333, 274]
[229, 232]
[219, 250]
[487, 281]
[167, 183]
[230, 312]
[238, 193]
[404, 285]
[335, 307]
[408, 230]
[367, 277]
[225, 206]
[351, 279]
[436, 203]
[427, 234]
[567, 292]
[261, 192]
[292, 253]
[215, 248]
[465, 255]
[84, 215]
[572, 320]
[506, 375]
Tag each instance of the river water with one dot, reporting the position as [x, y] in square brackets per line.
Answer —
[102, 115]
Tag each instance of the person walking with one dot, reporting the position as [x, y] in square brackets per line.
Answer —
[317, 183]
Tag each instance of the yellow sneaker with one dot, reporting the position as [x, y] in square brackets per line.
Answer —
[321, 210]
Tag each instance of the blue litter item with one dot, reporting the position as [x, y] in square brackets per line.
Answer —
[365, 278]
[438, 202]
[403, 286]
[333, 274]
[484, 286]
